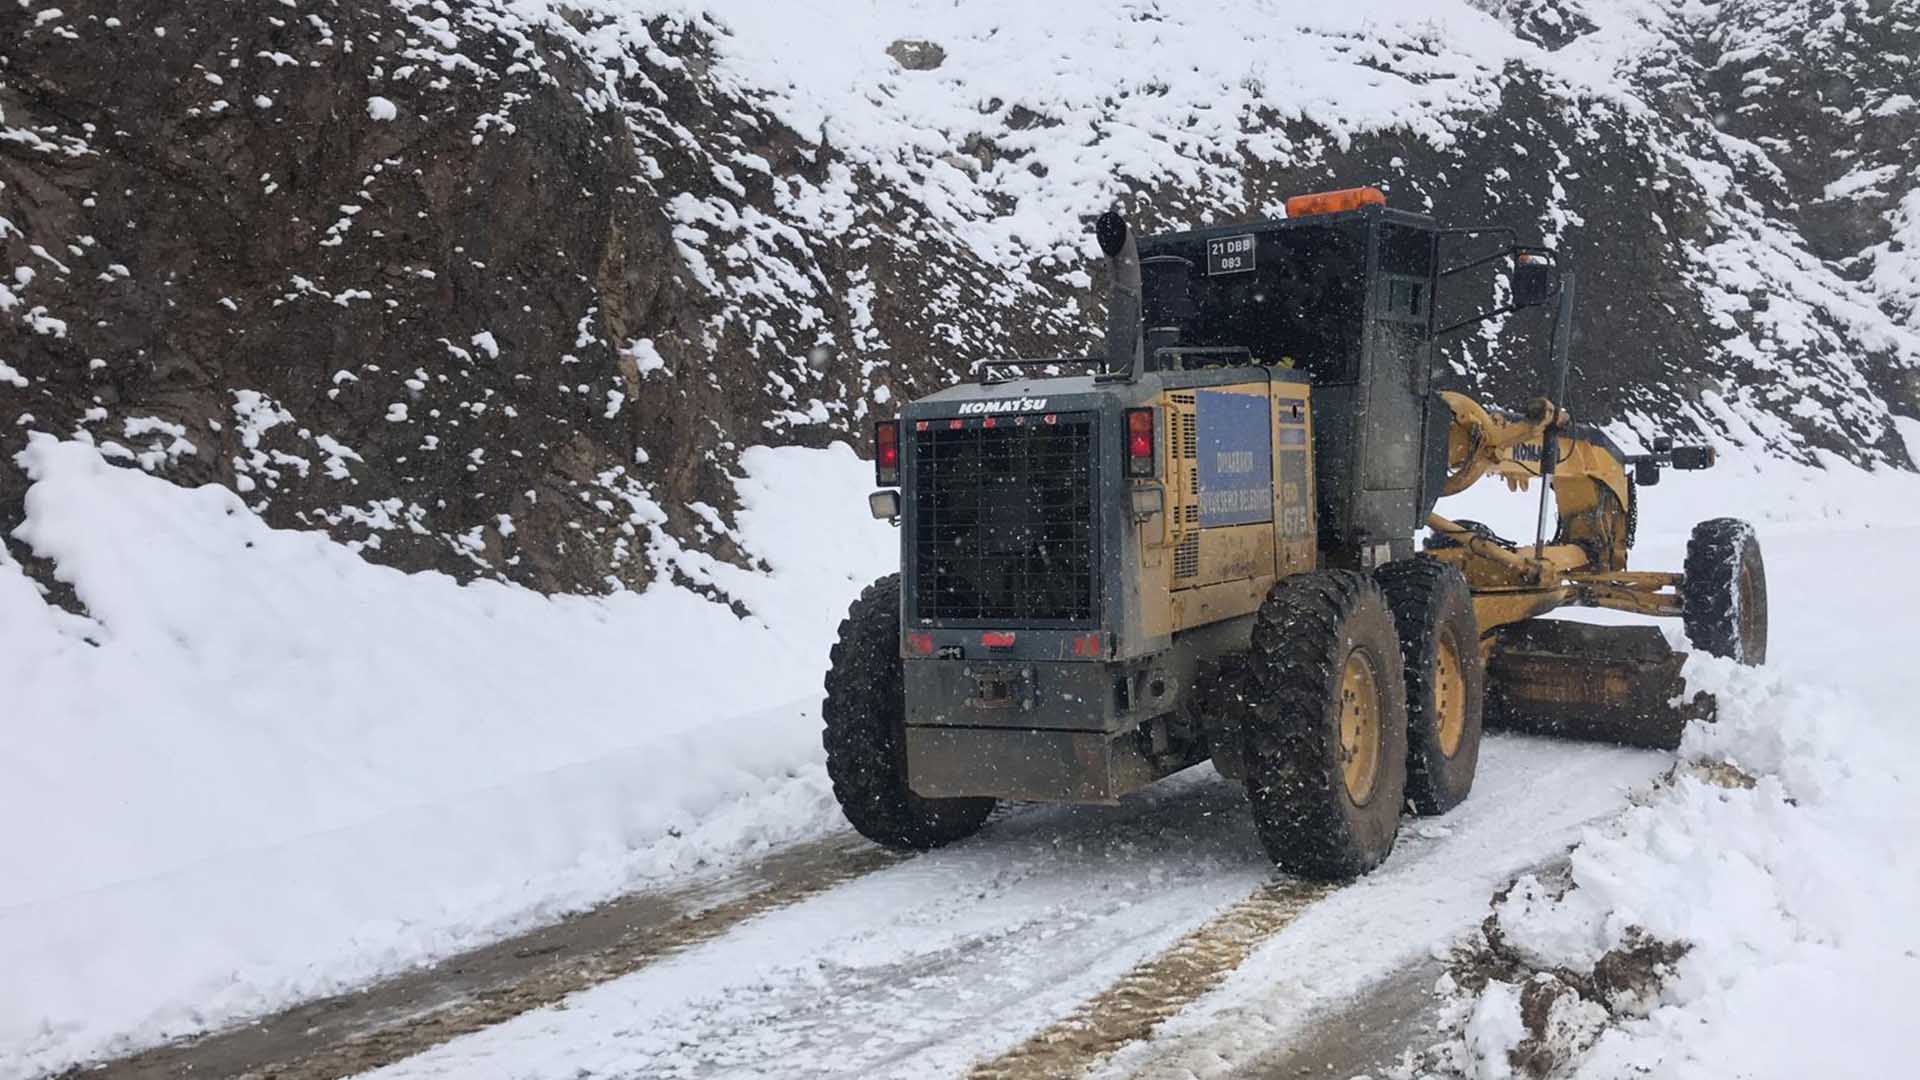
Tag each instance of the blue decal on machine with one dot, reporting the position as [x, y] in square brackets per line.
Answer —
[1236, 458]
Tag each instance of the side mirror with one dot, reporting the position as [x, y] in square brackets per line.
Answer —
[1693, 457]
[1646, 474]
[1535, 281]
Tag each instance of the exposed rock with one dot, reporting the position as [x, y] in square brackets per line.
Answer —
[502, 290]
[481, 334]
[917, 55]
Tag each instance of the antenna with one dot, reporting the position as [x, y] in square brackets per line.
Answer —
[1558, 359]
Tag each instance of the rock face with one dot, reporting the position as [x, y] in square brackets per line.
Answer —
[420, 286]
[917, 55]
[500, 289]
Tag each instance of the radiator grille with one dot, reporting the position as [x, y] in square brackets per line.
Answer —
[1003, 519]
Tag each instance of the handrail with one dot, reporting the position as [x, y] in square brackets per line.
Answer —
[1180, 352]
[981, 368]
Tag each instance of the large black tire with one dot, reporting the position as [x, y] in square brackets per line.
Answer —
[1446, 678]
[1723, 597]
[865, 714]
[1293, 701]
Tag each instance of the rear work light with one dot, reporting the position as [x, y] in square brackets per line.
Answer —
[886, 453]
[1139, 442]
[1333, 202]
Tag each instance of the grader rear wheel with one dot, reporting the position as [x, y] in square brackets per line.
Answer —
[1446, 679]
[1449, 696]
[865, 736]
[1322, 714]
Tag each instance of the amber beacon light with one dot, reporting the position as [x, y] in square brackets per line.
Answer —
[1333, 202]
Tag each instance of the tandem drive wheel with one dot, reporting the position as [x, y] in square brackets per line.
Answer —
[1323, 715]
[1446, 678]
[865, 714]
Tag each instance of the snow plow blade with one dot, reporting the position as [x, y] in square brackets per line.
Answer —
[1617, 684]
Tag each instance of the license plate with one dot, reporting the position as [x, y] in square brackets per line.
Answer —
[1230, 254]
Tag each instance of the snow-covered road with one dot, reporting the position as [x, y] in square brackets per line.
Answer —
[932, 966]
[942, 964]
[924, 968]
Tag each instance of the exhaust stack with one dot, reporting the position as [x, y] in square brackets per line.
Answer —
[1123, 299]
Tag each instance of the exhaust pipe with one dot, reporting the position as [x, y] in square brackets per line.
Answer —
[1123, 299]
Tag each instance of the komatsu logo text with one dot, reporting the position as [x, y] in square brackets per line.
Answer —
[1025, 404]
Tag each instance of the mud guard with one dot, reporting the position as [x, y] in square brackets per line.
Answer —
[1571, 680]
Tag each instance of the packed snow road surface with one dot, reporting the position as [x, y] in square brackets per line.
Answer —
[206, 684]
[1153, 940]
[957, 957]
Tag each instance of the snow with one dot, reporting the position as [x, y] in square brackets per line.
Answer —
[361, 769]
[921, 969]
[646, 358]
[283, 771]
[1495, 1030]
[280, 770]
[1150, 97]
[379, 108]
[1796, 896]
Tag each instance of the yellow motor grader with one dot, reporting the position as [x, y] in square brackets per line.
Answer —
[1206, 544]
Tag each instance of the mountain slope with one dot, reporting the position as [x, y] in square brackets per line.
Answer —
[502, 290]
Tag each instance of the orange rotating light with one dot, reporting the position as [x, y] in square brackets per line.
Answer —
[1333, 202]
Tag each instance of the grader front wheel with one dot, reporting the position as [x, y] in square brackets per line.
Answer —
[1723, 595]
[1323, 717]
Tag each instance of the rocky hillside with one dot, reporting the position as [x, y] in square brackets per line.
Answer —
[500, 287]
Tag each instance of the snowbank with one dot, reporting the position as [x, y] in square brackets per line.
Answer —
[266, 769]
[1803, 886]
[1794, 897]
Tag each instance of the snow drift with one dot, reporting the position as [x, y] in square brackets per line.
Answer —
[1778, 870]
[264, 769]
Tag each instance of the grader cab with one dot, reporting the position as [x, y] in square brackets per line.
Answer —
[1200, 545]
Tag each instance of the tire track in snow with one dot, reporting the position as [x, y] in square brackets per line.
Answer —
[1156, 988]
[1155, 927]
[407, 1015]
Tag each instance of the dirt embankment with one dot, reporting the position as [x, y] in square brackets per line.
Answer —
[436, 285]
[502, 289]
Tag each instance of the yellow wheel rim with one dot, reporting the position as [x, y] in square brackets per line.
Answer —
[1449, 695]
[1752, 630]
[1359, 727]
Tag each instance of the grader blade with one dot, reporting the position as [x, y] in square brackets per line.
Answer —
[1617, 684]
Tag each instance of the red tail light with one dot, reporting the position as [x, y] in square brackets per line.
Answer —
[886, 453]
[997, 639]
[1139, 442]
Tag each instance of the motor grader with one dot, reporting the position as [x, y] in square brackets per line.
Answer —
[1201, 545]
